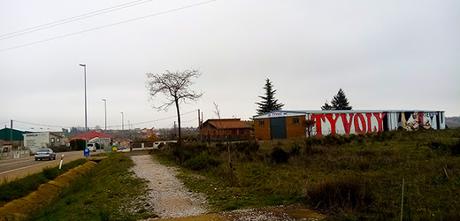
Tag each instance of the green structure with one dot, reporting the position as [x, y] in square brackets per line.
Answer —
[7, 134]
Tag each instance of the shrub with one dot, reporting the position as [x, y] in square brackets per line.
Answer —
[185, 152]
[435, 145]
[247, 147]
[452, 148]
[455, 148]
[310, 141]
[278, 155]
[340, 194]
[201, 162]
[50, 173]
[295, 149]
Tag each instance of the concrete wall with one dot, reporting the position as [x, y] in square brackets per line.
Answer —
[35, 141]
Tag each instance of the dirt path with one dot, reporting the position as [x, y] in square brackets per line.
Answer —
[169, 196]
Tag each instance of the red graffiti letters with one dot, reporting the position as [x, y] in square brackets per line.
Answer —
[347, 123]
[358, 123]
[332, 121]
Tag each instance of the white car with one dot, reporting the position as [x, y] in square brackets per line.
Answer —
[45, 153]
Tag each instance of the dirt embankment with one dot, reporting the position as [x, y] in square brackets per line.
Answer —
[23, 208]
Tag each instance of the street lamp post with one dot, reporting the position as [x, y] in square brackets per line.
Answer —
[122, 121]
[86, 104]
[105, 114]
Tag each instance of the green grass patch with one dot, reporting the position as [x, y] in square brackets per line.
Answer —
[111, 191]
[21, 187]
[353, 178]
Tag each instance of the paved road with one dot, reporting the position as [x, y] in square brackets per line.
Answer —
[17, 168]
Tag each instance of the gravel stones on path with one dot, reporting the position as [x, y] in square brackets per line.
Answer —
[169, 197]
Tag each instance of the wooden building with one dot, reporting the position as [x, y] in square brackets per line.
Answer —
[225, 129]
[280, 125]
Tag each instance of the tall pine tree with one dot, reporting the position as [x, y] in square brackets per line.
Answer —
[268, 103]
[339, 102]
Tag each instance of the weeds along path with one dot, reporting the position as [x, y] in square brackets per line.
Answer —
[168, 195]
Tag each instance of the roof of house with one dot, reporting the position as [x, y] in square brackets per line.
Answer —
[90, 135]
[290, 113]
[232, 123]
[6, 134]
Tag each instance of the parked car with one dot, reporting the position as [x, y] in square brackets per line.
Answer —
[45, 153]
[123, 149]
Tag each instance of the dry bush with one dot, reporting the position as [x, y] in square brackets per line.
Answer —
[338, 194]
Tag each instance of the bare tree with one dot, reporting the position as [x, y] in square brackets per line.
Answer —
[217, 112]
[175, 86]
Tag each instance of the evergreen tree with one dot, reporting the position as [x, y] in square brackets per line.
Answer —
[326, 106]
[268, 103]
[340, 101]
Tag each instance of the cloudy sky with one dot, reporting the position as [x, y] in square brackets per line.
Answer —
[387, 54]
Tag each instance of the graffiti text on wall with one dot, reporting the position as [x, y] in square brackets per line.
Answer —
[347, 123]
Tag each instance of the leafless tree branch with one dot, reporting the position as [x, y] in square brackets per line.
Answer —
[175, 87]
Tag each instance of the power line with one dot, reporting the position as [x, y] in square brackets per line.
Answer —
[40, 124]
[153, 121]
[111, 126]
[71, 19]
[109, 25]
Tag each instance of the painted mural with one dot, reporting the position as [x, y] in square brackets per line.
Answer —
[416, 120]
[346, 123]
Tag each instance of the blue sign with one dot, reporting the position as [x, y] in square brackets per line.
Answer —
[86, 152]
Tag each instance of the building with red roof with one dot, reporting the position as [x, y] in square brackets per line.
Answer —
[90, 135]
[100, 139]
[226, 129]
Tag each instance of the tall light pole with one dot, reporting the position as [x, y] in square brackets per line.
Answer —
[86, 104]
[122, 121]
[105, 114]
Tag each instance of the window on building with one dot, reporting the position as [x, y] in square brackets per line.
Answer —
[295, 120]
[52, 140]
[261, 123]
[58, 140]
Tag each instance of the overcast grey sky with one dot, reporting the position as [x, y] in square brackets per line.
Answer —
[387, 54]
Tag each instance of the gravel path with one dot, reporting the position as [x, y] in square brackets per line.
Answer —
[169, 197]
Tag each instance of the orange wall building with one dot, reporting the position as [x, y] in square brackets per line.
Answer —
[280, 125]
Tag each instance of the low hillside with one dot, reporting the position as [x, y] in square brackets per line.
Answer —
[453, 122]
[356, 177]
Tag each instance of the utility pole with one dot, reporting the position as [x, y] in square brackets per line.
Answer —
[105, 114]
[11, 132]
[199, 125]
[175, 130]
[86, 104]
[199, 121]
[122, 121]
